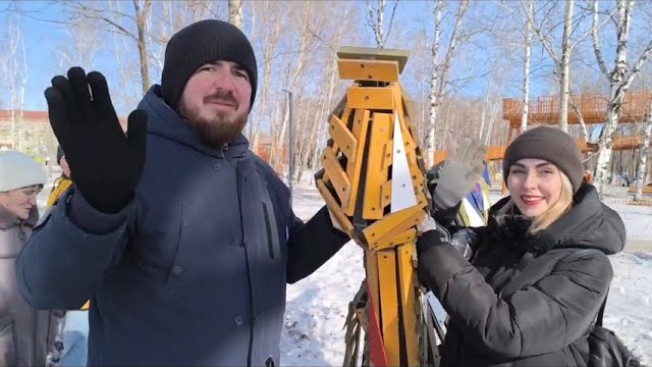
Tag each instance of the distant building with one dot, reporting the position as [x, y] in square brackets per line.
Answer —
[27, 131]
[34, 136]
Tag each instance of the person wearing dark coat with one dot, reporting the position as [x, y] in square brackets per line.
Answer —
[180, 236]
[538, 271]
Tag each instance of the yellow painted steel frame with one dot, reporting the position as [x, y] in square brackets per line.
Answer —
[356, 184]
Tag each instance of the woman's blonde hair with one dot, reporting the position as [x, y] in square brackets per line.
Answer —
[555, 211]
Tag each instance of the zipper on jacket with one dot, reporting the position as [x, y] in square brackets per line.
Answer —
[268, 228]
[240, 182]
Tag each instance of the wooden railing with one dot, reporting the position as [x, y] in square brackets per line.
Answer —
[545, 109]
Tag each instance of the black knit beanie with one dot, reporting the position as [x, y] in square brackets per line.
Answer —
[550, 144]
[200, 43]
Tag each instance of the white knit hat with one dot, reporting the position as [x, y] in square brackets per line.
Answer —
[19, 170]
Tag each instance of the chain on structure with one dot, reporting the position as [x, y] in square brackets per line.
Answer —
[373, 181]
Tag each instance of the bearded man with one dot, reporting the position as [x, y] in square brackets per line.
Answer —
[181, 237]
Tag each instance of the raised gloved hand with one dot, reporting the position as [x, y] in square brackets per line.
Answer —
[106, 163]
[461, 170]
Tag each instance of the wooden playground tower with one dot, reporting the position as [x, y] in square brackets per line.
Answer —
[545, 110]
[373, 182]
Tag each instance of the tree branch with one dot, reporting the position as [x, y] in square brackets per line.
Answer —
[461, 10]
[596, 41]
[391, 19]
[639, 64]
[544, 41]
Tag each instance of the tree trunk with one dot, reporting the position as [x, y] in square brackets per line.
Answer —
[642, 157]
[439, 73]
[430, 137]
[376, 21]
[620, 78]
[604, 156]
[142, 15]
[526, 65]
[270, 34]
[580, 117]
[564, 67]
[235, 13]
[377, 25]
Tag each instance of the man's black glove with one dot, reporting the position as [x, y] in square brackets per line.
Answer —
[106, 163]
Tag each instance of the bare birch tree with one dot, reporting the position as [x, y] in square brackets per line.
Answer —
[526, 63]
[84, 47]
[564, 66]
[561, 60]
[13, 66]
[270, 33]
[620, 78]
[296, 62]
[376, 20]
[236, 16]
[131, 24]
[440, 69]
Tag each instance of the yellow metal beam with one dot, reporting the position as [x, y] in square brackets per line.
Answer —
[367, 53]
[372, 70]
[338, 177]
[376, 177]
[343, 137]
[389, 305]
[370, 98]
[354, 164]
[409, 301]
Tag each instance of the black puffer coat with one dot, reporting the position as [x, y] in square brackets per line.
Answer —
[525, 300]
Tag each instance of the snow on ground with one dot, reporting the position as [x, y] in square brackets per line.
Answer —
[313, 334]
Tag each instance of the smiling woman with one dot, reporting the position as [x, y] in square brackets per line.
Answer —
[538, 272]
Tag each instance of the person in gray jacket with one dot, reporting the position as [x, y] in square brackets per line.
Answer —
[26, 334]
[182, 238]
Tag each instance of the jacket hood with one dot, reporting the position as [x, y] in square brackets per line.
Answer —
[588, 224]
[165, 122]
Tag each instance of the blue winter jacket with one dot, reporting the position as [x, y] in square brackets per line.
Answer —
[193, 271]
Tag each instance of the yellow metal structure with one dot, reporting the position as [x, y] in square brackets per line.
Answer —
[378, 199]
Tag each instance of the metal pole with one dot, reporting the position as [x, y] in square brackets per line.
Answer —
[290, 144]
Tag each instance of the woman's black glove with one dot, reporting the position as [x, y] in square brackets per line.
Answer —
[106, 163]
[431, 236]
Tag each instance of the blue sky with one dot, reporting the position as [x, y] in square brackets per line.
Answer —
[42, 38]
[39, 38]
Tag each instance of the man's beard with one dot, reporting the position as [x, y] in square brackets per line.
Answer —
[218, 130]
